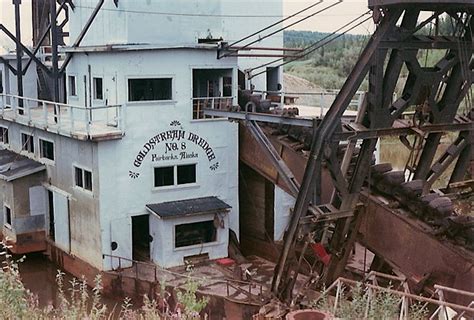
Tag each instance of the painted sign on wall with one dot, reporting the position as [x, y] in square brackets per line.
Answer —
[175, 142]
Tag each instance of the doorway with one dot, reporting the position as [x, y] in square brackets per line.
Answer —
[51, 214]
[141, 238]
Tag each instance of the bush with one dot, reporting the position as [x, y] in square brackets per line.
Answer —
[16, 302]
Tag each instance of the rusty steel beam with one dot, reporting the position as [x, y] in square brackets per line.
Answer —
[406, 245]
[403, 241]
[82, 34]
[325, 130]
[24, 48]
[266, 49]
[283, 170]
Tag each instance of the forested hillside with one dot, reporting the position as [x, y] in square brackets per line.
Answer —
[329, 66]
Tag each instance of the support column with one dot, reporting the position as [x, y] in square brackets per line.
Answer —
[19, 53]
[54, 50]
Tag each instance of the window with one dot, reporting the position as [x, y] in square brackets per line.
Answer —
[187, 174]
[98, 89]
[195, 233]
[164, 176]
[4, 135]
[8, 216]
[46, 149]
[27, 143]
[150, 89]
[83, 178]
[72, 85]
[1, 82]
[175, 175]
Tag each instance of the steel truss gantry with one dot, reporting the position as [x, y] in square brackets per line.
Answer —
[436, 91]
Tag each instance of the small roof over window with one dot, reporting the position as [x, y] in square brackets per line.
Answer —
[181, 208]
[14, 166]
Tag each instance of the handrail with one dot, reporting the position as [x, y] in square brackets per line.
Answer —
[211, 98]
[403, 295]
[61, 118]
[229, 282]
[62, 104]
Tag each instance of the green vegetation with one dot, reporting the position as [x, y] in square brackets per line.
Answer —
[361, 303]
[78, 302]
[328, 66]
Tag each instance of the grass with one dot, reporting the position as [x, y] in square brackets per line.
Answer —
[76, 301]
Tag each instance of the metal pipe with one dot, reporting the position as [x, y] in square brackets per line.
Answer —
[54, 51]
[267, 49]
[19, 53]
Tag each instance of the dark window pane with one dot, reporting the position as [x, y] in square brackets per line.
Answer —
[195, 233]
[4, 135]
[187, 174]
[87, 180]
[149, 89]
[78, 174]
[72, 85]
[98, 90]
[8, 216]
[164, 176]
[27, 143]
[47, 149]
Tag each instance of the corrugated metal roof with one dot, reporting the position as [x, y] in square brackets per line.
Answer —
[14, 166]
[188, 207]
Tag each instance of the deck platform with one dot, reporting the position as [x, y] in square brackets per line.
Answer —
[81, 123]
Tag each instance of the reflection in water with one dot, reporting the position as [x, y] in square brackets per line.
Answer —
[38, 274]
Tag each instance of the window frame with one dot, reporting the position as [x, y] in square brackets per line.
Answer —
[94, 88]
[83, 171]
[198, 245]
[143, 77]
[6, 224]
[72, 90]
[175, 176]
[166, 185]
[32, 140]
[2, 82]
[3, 130]
[41, 154]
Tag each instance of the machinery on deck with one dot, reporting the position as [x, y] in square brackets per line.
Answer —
[434, 92]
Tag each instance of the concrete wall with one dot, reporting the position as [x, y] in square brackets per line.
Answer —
[163, 251]
[124, 188]
[15, 195]
[83, 205]
[6, 197]
[178, 22]
[10, 81]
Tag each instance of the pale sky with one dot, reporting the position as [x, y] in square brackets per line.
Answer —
[330, 19]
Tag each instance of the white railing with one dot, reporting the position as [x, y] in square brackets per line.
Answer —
[62, 118]
[434, 307]
[218, 103]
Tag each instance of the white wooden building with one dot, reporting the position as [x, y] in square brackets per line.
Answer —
[130, 167]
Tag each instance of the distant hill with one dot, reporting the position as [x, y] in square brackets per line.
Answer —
[329, 66]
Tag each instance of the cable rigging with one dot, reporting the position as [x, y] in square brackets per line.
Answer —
[279, 30]
[315, 46]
